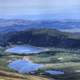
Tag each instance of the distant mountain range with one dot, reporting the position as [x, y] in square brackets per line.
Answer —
[40, 33]
[19, 25]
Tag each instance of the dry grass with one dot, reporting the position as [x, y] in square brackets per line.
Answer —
[15, 76]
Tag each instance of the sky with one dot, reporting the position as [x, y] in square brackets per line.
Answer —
[40, 9]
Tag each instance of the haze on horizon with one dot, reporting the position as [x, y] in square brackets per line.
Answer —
[40, 9]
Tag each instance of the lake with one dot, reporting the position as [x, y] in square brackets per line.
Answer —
[54, 72]
[23, 66]
[25, 49]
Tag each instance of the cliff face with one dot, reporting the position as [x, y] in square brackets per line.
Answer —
[42, 37]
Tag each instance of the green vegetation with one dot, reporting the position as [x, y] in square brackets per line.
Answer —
[52, 60]
[53, 57]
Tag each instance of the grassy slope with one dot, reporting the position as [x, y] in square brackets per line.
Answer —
[5, 75]
[29, 77]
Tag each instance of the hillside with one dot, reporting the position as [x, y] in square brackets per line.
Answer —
[42, 37]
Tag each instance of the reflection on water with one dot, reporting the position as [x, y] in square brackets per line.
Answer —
[23, 66]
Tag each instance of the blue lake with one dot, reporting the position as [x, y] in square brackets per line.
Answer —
[54, 72]
[23, 66]
[25, 49]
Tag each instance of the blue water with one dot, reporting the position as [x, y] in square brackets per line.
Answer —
[23, 66]
[54, 72]
[25, 49]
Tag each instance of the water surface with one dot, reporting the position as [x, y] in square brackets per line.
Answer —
[23, 66]
[25, 49]
[54, 72]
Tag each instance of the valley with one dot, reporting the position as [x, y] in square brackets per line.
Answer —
[69, 63]
[46, 52]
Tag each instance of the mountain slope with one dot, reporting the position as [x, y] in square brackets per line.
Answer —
[45, 38]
